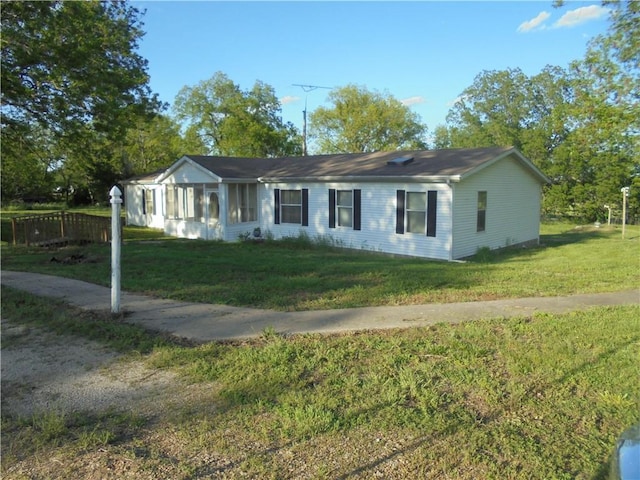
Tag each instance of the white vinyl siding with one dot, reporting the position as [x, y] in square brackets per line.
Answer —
[144, 205]
[377, 218]
[512, 212]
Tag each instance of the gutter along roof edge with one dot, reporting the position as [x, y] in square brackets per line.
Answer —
[364, 179]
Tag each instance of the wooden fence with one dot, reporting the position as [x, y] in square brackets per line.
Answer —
[61, 228]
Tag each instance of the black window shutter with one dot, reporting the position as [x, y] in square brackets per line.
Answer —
[276, 209]
[432, 207]
[332, 208]
[144, 202]
[305, 207]
[357, 195]
[400, 211]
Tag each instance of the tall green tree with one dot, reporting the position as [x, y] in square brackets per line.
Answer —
[155, 144]
[363, 121]
[70, 69]
[235, 122]
[29, 159]
[607, 115]
[492, 111]
[508, 108]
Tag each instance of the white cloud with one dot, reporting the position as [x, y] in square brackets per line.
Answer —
[581, 15]
[413, 100]
[535, 23]
[456, 100]
[289, 99]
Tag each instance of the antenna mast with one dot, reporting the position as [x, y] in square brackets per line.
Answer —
[306, 89]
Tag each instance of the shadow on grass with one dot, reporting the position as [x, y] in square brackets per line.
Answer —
[547, 241]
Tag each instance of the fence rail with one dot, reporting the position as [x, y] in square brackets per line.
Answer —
[60, 228]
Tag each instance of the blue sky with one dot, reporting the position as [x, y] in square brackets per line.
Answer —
[422, 53]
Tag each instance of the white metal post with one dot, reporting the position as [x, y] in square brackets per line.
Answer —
[116, 201]
[625, 194]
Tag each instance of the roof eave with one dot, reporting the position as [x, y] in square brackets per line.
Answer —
[364, 179]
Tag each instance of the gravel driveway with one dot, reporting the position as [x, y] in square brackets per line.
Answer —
[42, 371]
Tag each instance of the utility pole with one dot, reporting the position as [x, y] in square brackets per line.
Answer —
[306, 89]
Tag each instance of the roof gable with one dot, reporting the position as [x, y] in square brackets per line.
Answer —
[187, 160]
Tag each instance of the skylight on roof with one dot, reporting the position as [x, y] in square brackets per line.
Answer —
[400, 161]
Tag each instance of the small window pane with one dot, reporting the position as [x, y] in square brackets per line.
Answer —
[345, 198]
[482, 200]
[345, 217]
[252, 208]
[180, 209]
[190, 203]
[291, 214]
[416, 222]
[416, 201]
[291, 197]
[482, 212]
[171, 195]
[199, 206]
[232, 210]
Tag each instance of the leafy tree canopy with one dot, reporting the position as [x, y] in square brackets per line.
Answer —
[579, 125]
[72, 85]
[68, 64]
[364, 121]
[234, 122]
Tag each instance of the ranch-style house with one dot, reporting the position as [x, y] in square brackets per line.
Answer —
[440, 204]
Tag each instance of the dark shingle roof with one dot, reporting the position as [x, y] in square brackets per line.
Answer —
[437, 164]
[145, 178]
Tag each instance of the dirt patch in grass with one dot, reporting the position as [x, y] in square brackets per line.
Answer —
[73, 408]
[42, 371]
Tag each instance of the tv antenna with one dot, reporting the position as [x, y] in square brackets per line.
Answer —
[306, 89]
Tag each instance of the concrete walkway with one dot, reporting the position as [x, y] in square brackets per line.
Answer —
[204, 322]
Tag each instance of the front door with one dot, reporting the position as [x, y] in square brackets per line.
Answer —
[213, 216]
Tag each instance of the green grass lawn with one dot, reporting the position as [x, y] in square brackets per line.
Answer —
[541, 397]
[536, 398]
[295, 275]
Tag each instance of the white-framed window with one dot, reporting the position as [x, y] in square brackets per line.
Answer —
[291, 206]
[243, 202]
[171, 201]
[482, 212]
[416, 212]
[148, 204]
[344, 207]
[185, 202]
